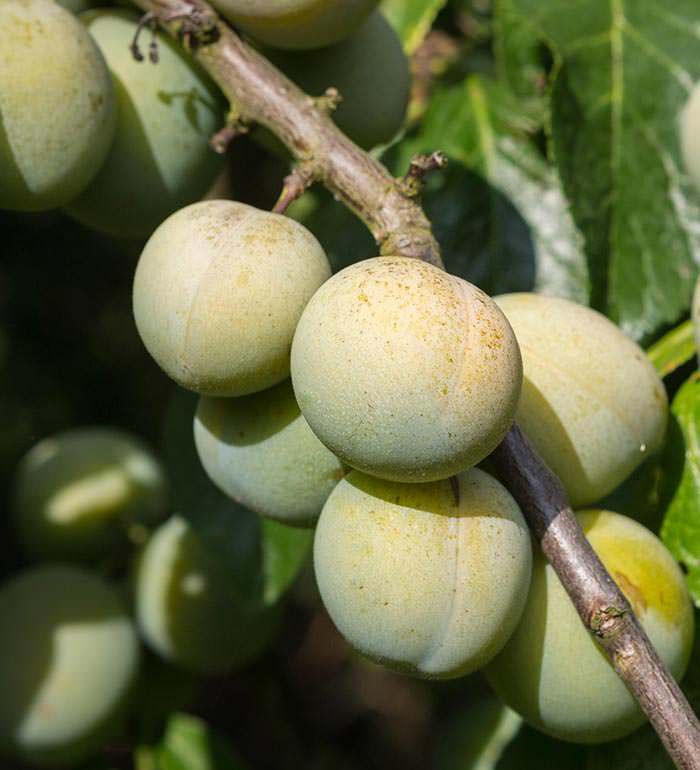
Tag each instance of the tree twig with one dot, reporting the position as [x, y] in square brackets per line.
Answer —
[260, 93]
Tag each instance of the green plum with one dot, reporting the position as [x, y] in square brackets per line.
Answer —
[592, 403]
[296, 24]
[76, 493]
[404, 371]
[69, 656]
[187, 609]
[420, 578]
[57, 106]
[161, 159]
[218, 292]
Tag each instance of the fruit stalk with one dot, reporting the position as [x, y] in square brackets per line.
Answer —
[259, 93]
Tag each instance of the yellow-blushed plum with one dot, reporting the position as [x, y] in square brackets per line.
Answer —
[69, 655]
[187, 609]
[161, 159]
[260, 451]
[592, 403]
[57, 106]
[420, 579]
[404, 371]
[554, 674]
[218, 292]
[296, 24]
[373, 54]
[76, 493]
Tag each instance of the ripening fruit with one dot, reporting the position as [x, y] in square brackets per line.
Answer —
[260, 451]
[373, 54]
[187, 608]
[77, 492]
[418, 581]
[57, 106]
[69, 655]
[695, 312]
[296, 24]
[161, 159]
[592, 403]
[690, 135]
[552, 671]
[404, 371]
[78, 6]
[218, 292]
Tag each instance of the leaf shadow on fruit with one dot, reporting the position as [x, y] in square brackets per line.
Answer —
[190, 101]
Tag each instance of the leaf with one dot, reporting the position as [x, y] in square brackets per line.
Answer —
[673, 349]
[262, 559]
[412, 19]
[680, 530]
[624, 70]
[510, 213]
[190, 744]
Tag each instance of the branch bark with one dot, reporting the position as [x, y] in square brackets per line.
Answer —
[259, 93]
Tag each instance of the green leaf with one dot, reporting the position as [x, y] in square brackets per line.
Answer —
[681, 526]
[673, 349]
[190, 744]
[412, 19]
[261, 558]
[505, 221]
[624, 71]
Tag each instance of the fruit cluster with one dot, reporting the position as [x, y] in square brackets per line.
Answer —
[404, 379]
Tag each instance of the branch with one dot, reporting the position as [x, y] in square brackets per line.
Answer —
[260, 93]
[603, 608]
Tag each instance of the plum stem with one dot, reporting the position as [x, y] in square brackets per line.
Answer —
[256, 89]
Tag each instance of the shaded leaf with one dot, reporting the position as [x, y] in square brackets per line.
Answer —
[673, 349]
[479, 124]
[681, 526]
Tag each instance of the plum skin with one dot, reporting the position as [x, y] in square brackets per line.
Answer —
[218, 291]
[187, 608]
[160, 160]
[52, 144]
[553, 673]
[592, 403]
[76, 493]
[69, 656]
[260, 451]
[417, 581]
[296, 24]
[404, 371]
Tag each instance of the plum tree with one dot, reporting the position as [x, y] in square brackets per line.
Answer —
[551, 670]
[373, 54]
[218, 292]
[690, 135]
[161, 159]
[52, 144]
[591, 403]
[405, 372]
[69, 655]
[296, 24]
[76, 492]
[260, 451]
[418, 581]
[187, 609]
